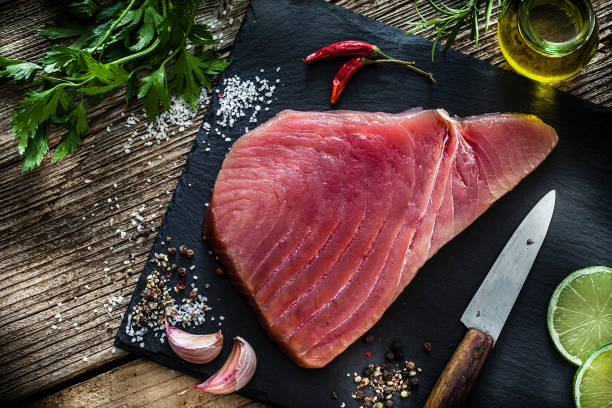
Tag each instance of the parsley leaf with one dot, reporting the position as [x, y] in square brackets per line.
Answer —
[72, 140]
[36, 149]
[145, 34]
[189, 73]
[18, 70]
[155, 92]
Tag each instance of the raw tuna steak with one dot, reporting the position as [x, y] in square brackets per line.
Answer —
[322, 219]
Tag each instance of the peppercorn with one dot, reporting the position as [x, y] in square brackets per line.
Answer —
[219, 272]
[182, 273]
[168, 239]
[413, 382]
[172, 250]
[359, 394]
[395, 346]
[399, 355]
[369, 338]
[173, 267]
[388, 390]
[333, 395]
[367, 371]
[190, 253]
[367, 403]
[389, 404]
[143, 321]
[410, 365]
[389, 355]
[427, 346]
[183, 249]
[387, 375]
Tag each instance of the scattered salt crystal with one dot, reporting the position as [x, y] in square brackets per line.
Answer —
[87, 181]
[89, 248]
[85, 358]
[54, 327]
[115, 185]
[113, 350]
[277, 69]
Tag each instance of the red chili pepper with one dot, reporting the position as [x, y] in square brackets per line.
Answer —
[367, 354]
[351, 66]
[346, 48]
[345, 73]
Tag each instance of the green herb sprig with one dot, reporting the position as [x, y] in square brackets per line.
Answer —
[467, 14]
[143, 46]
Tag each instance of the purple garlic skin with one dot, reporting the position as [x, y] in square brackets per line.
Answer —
[195, 348]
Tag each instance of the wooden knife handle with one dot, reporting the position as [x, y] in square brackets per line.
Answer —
[459, 375]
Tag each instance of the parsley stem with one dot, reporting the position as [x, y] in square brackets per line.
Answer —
[187, 32]
[138, 54]
[113, 26]
[163, 3]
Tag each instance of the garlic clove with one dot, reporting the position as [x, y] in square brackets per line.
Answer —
[195, 348]
[235, 373]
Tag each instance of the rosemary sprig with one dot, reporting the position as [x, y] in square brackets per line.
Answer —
[467, 13]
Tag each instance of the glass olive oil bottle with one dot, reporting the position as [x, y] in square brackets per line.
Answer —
[548, 40]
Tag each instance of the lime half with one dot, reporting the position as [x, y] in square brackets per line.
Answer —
[593, 380]
[580, 313]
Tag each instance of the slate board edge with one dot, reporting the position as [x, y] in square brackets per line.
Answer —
[211, 108]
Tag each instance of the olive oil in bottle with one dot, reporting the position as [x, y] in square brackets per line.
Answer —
[548, 40]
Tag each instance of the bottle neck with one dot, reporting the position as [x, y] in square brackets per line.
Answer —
[530, 14]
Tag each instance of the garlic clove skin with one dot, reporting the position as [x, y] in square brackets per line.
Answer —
[235, 373]
[195, 348]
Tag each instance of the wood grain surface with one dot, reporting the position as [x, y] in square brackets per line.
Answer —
[62, 254]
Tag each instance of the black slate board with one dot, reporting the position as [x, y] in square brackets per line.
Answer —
[524, 369]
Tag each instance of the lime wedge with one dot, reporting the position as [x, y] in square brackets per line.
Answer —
[580, 313]
[593, 380]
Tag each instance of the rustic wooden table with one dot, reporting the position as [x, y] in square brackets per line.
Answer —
[63, 266]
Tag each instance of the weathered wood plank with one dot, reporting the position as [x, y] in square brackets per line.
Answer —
[140, 383]
[45, 264]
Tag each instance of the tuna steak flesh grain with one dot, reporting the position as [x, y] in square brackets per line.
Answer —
[322, 218]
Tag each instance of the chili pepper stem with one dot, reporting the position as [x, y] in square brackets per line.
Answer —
[407, 64]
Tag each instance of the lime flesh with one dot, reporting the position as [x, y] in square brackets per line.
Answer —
[580, 313]
[593, 380]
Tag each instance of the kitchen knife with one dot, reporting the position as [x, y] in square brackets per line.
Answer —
[489, 308]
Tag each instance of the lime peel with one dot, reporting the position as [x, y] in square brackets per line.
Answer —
[593, 380]
[579, 315]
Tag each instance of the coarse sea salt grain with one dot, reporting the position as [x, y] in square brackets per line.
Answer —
[178, 116]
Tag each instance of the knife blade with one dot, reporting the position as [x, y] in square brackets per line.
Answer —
[488, 310]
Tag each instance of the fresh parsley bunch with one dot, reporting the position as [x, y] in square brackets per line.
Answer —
[142, 46]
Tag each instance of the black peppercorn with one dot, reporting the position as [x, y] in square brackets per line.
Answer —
[389, 355]
[427, 346]
[333, 396]
[183, 249]
[389, 404]
[172, 250]
[367, 372]
[143, 321]
[369, 338]
[367, 403]
[359, 394]
[388, 390]
[387, 375]
[182, 273]
[395, 346]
